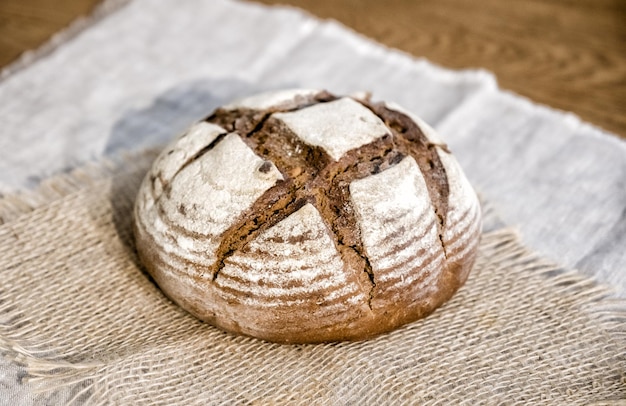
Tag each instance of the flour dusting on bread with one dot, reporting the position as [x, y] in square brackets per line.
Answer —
[298, 216]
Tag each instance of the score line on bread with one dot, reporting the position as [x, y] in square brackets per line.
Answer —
[298, 216]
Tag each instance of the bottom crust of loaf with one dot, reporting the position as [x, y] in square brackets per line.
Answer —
[277, 324]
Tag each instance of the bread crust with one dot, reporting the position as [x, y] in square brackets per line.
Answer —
[303, 217]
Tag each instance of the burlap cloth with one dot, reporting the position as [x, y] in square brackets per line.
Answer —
[88, 326]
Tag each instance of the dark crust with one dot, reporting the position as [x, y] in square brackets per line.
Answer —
[312, 176]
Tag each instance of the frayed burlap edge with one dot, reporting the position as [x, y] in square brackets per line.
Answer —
[59, 186]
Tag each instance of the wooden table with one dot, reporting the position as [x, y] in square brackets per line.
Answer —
[569, 54]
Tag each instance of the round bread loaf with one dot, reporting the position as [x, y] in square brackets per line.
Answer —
[298, 216]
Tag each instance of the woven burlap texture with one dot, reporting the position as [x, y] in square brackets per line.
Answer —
[77, 311]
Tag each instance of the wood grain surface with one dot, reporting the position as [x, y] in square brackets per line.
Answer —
[569, 54]
[26, 24]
